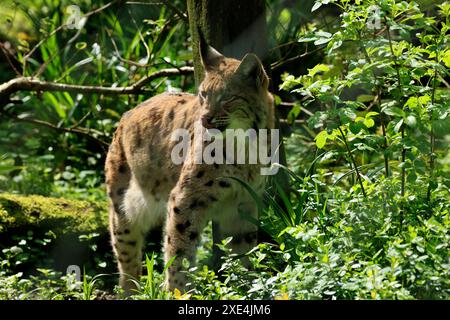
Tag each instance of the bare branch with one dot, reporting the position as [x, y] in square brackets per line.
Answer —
[30, 84]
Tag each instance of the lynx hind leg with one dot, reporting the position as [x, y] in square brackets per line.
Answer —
[138, 215]
[126, 238]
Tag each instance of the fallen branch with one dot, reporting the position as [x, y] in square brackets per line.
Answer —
[30, 84]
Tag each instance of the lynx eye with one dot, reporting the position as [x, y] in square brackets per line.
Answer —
[231, 99]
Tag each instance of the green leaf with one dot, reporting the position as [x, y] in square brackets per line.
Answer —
[322, 41]
[412, 177]
[321, 139]
[412, 102]
[324, 37]
[293, 114]
[398, 125]
[369, 123]
[355, 127]
[446, 58]
[411, 121]
[371, 113]
[346, 115]
[307, 39]
[323, 34]
[59, 108]
[365, 98]
[318, 68]
[316, 6]
[424, 99]
[393, 111]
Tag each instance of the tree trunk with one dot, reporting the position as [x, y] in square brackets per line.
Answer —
[233, 27]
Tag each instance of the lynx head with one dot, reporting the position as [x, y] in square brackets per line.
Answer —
[234, 94]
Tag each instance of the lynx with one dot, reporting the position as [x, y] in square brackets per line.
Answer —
[147, 190]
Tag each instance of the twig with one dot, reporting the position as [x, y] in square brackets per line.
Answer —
[358, 175]
[378, 102]
[281, 63]
[177, 11]
[432, 137]
[81, 131]
[7, 56]
[147, 49]
[81, 120]
[444, 82]
[292, 104]
[397, 68]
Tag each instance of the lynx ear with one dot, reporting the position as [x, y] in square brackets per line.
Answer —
[211, 58]
[252, 70]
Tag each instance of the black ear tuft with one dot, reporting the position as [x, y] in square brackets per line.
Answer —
[203, 44]
[211, 58]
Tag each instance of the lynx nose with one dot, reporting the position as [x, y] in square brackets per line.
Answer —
[207, 121]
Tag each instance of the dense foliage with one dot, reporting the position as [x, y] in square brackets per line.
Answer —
[368, 214]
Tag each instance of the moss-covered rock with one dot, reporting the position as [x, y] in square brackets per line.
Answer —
[48, 230]
[62, 216]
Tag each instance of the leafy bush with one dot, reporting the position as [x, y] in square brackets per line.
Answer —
[369, 217]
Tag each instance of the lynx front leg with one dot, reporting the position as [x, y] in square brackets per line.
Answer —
[235, 225]
[186, 220]
[183, 229]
